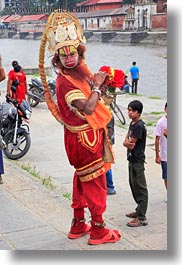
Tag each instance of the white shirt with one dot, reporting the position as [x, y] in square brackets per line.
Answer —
[159, 131]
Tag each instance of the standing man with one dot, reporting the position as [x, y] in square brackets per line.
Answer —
[135, 142]
[85, 119]
[161, 145]
[134, 71]
[2, 77]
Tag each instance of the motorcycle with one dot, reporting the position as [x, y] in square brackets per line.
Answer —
[35, 93]
[14, 133]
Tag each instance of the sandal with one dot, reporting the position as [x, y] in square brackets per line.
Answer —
[86, 231]
[112, 237]
[136, 223]
[131, 215]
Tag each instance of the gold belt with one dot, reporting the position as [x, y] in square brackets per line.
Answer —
[76, 129]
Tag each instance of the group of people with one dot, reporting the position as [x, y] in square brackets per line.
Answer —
[87, 123]
[17, 89]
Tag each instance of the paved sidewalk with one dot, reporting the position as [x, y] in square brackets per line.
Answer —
[32, 217]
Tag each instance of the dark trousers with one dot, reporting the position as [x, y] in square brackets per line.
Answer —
[134, 85]
[109, 179]
[138, 187]
[1, 163]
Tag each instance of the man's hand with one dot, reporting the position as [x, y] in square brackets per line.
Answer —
[127, 143]
[158, 160]
[99, 79]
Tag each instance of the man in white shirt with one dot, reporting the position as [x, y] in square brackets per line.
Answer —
[161, 145]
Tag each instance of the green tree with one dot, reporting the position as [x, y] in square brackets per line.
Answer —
[71, 4]
[7, 11]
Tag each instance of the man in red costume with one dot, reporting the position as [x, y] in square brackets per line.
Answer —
[85, 118]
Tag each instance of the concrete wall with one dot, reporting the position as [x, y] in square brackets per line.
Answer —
[142, 37]
[34, 70]
[154, 38]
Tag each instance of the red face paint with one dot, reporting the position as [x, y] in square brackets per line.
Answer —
[68, 56]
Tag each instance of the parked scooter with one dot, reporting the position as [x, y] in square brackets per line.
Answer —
[14, 133]
[35, 94]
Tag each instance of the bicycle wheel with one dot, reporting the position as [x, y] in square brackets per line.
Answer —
[117, 111]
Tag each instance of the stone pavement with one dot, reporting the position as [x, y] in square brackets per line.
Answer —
[33, 217]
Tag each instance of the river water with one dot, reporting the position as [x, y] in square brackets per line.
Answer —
[151, 60]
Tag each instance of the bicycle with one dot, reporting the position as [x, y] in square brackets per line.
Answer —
[111, 100]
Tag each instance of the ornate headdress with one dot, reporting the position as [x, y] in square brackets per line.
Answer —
[63, 29]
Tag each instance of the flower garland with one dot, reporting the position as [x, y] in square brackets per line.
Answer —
[115, 78]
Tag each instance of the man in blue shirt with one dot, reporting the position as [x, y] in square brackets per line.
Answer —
[134, 70]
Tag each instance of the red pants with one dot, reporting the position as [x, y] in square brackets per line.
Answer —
[91, 194]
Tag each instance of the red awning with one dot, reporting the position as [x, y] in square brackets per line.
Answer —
[33, 18]
[4, 17]
[11, 18]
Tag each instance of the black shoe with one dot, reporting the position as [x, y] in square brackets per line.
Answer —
[111, 192]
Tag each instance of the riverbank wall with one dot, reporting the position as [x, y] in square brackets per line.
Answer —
[141, 37]
[117, 37]
[35, 71]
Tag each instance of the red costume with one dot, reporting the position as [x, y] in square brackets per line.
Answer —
[84, 146]
[86, 143]
[82, 143]
[21, 88]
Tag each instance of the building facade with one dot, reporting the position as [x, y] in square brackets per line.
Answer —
[142, 16]
[108, 19]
